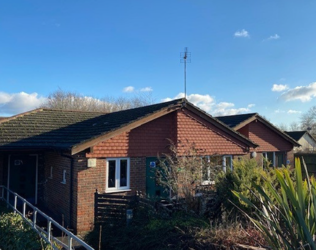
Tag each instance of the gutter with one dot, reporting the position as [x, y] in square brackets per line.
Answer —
[71, 184]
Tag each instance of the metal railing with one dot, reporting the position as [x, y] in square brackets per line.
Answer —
[31, 214]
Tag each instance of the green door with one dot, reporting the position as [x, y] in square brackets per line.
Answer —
[153, 189]
[22, 176]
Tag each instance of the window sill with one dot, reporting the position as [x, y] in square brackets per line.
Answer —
[63, 182]
[118, 191]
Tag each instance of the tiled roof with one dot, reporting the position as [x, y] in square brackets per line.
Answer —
[49, 128]
[234, 120]
[296, 135]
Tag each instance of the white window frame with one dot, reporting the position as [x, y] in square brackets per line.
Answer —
[51, 173]
[224, 162]
[117, 187]
[64, 177]
[265, 155]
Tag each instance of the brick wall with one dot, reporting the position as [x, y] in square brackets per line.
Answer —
[56, 194]
[1, 169]
[193, 129]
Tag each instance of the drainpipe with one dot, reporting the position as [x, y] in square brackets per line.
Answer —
[71, 184]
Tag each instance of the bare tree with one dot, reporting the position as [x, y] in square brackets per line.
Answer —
[295, 126]
[308, 120]
[282, 127]
[72, 101]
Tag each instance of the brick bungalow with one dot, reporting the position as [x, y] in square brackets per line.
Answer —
[305, 139]
[57, 158]
[274, 145]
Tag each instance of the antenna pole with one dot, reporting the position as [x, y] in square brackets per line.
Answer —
[185, 57]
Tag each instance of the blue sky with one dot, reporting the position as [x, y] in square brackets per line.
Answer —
[246, 55]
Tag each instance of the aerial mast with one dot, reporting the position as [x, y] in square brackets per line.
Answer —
[185, 57]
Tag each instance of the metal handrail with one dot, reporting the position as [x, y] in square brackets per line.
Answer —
[45, 234]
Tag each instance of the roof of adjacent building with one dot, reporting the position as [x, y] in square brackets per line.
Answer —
[76, 130]
[234, 120]
[238, 121]
[297, 135]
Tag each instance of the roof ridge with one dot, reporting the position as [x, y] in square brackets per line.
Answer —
[255, 113]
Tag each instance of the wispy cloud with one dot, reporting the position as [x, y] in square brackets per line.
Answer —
[291, 111]
[274, 37]
[11, 104]
[129, 89]
[146, 89]
[279, 87]
[251, 105]
[279, 111]
[208, 104]
[301, 93]
[241, 33]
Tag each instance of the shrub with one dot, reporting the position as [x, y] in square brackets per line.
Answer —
[286, 218]
[16, 234]
[245, 175]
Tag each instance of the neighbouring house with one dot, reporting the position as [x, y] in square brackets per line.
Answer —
[57, 159]
[305, 139]
[274, 145]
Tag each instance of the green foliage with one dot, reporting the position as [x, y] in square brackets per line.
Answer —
[180, 231]
[245, 175]
[16, 234]
[290, 221]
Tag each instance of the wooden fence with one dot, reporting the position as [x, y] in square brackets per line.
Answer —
[310, 160]
[113, 206]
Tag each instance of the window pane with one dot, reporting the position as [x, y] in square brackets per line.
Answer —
[279, 159]
[228, 161]
[123, 173]
[111, 177]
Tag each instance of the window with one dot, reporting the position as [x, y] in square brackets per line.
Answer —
[227, 162]
[210, 165]
[64, 177]
[274, 159]
[117, 174]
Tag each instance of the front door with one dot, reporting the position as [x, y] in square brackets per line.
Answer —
[153, 189]
[23, 176]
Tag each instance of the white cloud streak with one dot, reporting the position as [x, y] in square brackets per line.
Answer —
[129, 89]
[274, 37]
[279, 87]
[146, 89]
[291, 111]
[241, 33]
[208, 104]
[301, 93]
[11, 104]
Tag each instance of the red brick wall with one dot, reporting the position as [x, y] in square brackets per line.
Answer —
[57, 195]
[87, 180]
[193, 129]
[267, 139]
[149, 139]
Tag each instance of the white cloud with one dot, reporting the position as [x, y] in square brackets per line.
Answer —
[128, 89]
[274, 37]
[11, 104]
[208, 104]
[146, 89]
[279, 87]
[301, 93]
[241, 33]
[278, 111]
[291, 111]
[251, 105]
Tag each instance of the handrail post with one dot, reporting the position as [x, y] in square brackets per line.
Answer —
[24, 207]
[49, 228]
[34, 218]
[69, 242]
[15, 202]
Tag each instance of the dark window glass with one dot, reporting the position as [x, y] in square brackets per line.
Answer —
[279, 159]
[123, 173]
[112, 174]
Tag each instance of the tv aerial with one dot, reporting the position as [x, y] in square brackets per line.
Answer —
[185, 57]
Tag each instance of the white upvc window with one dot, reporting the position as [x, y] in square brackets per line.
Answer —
[227, 162]
[117, 174]
[276, 159]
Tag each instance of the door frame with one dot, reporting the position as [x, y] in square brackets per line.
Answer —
[36, 173]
